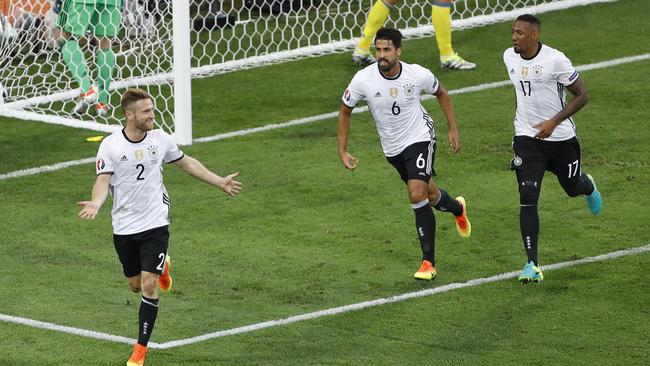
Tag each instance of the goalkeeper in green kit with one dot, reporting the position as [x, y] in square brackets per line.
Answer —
[102, 18]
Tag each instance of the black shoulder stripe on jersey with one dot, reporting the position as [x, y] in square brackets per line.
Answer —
[175, 160]
[560, 94]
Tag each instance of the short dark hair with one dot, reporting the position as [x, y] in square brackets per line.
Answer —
[390, 34]
[131, 96]
[529, 18]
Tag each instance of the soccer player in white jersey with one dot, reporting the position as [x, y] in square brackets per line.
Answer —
[545, 135]
[392, 89]
[129, 166]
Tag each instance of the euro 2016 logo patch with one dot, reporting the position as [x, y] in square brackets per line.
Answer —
[100, 164]
[346, 95]
[409, 89]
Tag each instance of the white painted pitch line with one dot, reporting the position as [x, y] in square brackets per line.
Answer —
[45, 168]
[469, 89]
[69, 330]
[319, 117]
[394, 299]
[320, 313]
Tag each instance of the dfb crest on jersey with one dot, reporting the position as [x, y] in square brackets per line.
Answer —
[153, 152]
[408, 89]
[394, 92]
[537, 72]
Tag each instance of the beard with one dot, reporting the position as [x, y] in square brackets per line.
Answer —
[144, 126]
[384, 64]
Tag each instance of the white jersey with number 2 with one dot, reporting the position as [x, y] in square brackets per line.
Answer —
[140, 200]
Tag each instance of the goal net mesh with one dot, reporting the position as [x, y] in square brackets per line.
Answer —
[225, 36]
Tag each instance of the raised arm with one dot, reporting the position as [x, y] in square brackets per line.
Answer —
[194, 168]
[448, 110]
[342, 133]
[99, 194]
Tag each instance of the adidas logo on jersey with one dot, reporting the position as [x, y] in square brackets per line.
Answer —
[124, 158]
[512, 71]
[378, 95]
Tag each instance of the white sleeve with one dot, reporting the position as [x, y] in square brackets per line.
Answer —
[354, 92]
[430, 83]
[172, 151]
[505, 59]
[563, 70]
[104, 163]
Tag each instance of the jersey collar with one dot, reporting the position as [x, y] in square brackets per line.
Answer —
[399, 73]
[539, 49]
[133, 142]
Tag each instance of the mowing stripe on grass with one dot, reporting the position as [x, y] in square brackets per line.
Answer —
[469, 89]
[316, 118]
[320, 313]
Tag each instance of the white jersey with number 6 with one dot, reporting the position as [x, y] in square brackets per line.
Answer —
[140, 200]
[395, 104]
[539, 85]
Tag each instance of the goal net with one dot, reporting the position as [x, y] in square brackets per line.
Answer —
[162, 44]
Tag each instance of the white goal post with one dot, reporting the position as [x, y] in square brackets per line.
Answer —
[163, 44]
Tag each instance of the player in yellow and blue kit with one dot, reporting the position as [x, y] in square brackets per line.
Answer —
[441, 19]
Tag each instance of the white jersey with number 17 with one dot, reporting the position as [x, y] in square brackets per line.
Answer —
[140, 200]
[395, 104]
[539, 85]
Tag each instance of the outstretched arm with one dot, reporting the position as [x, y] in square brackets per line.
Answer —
[445, 104]
[579, 100]
[194, 168]
[100, 192]
[342, 133]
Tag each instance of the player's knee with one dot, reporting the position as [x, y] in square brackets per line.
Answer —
[149, 286]
[105, 43]
[417, 196]
[63, 38]
[434, 196]
[528, 192]
[134, 287]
